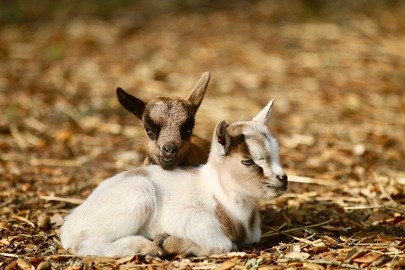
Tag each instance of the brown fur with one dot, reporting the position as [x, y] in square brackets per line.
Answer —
[254, 219]
[137, 172]
[231, 227]
[167, 115]
[248, 177]
[174, 245]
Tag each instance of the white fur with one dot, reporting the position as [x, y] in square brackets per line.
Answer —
[128, 210]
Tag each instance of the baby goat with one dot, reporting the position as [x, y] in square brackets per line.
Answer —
[169, 123]
[204, 210]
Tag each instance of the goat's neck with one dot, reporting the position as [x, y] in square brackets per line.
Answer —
[224, 191]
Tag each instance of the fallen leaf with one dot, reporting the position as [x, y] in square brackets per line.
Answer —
[355, 253]
[57, 220]
[125, 259]
[368, 258]
[24, 265]
[226, 265]
[312, 266]
[319, 249]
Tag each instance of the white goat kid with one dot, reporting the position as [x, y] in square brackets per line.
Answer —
[205, 210]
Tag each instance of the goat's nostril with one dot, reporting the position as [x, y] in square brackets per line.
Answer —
[170, 149]
[283, 178]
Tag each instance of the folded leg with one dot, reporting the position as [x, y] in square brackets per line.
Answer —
[175, 245]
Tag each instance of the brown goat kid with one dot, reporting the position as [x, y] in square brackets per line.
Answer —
[168, 122]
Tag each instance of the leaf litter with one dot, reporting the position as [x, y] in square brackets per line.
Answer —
[335, 70]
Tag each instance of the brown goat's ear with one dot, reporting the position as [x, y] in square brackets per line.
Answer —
[221, 138]
[131, 103]
[264, 115]
[197, 94]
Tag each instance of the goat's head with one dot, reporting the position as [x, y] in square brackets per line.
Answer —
[247, 152]
[168, 122]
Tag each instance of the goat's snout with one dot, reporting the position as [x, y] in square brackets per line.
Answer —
[170, 149]
[283, 178]
[169, 156]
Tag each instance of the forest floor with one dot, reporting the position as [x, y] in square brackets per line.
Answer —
[336, 70]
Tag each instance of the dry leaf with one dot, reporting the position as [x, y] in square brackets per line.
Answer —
[125, 260]
[355, 253]
[24, 265]
[368, 258]
[296, 253]
[319, 249]
[57, 220]
[226, 265]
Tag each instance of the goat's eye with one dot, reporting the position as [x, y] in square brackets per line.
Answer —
[247, 162]
[148, 131]
[186, 128]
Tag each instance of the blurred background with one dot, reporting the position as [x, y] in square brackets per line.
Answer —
[336, 70]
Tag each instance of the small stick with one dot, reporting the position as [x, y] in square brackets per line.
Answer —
[24, 219]
[60, 199]
[8, 255]
[297, 229]
[309, 180]
[56, 162]
[338, 264]
[374, 207]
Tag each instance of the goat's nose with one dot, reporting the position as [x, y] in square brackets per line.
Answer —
[170, 149]
[283, 178]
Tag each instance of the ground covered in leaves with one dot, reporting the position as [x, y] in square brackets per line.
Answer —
[336, 70]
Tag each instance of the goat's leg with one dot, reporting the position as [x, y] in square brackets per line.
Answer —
[126, 246]
[175, 245]
[136, 244]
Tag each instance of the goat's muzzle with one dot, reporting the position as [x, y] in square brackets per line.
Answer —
[283, 178]
[169, 156]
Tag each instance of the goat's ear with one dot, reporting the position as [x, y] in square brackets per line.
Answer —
[264, 115]
[131, 103]
[197, 94]
[221, 138]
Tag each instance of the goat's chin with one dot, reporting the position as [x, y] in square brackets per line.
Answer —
[271, 193]
[168, 165]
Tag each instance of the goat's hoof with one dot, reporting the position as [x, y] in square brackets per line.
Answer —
[153, 252]
[160, 239]
[154, 257]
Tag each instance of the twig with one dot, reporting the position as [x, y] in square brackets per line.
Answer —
[338, 264]
[309, 180]
[61, 199]
[18, 137]
[297, 229]
[299, 239]
[8, 255]
[6, 203]
[24, 219]
[38, 126]
[393, 209]
[57, 162]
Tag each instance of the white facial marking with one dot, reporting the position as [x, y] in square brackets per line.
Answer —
[264, 149]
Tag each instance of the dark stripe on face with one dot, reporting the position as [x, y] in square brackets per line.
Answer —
[151, 128]
[186, 128]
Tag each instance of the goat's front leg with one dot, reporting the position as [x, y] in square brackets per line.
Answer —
[174, 245]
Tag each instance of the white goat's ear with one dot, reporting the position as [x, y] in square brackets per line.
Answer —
[264, 115]
[197, 94]
[131, 103]
[221, 138]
